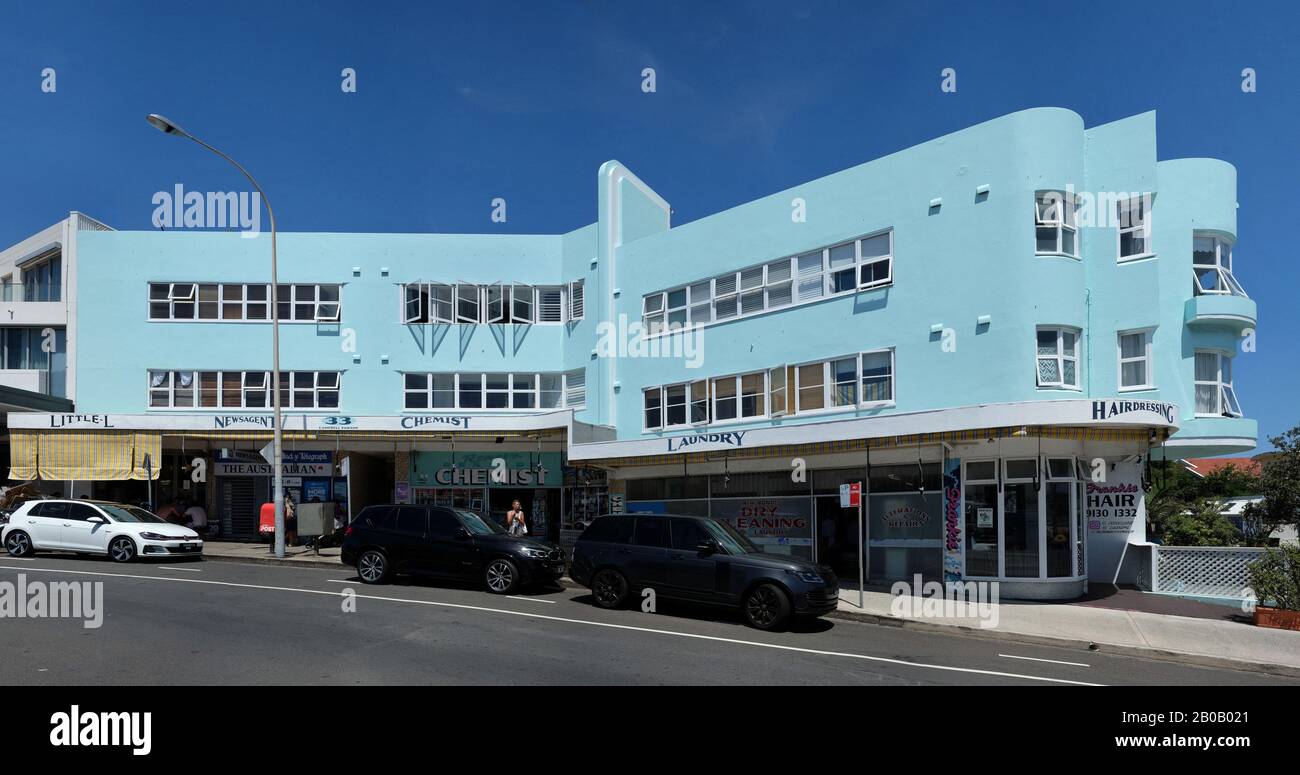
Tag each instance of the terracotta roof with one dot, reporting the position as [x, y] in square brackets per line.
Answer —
[1204, 466]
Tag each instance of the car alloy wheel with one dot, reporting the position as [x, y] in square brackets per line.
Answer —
[500, 576]
[122, 550]
[766, 607]
[19, 545]
[609, 588]
[372, 567]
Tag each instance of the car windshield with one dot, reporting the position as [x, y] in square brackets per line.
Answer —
[476, 524]
[129, 514]
[729, 538]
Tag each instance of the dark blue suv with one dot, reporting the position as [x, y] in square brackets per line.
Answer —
[698, 559]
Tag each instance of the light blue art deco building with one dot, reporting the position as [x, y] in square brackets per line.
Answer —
[993, 331]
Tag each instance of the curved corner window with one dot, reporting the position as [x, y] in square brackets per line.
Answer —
[1212, 266]
[1215, 396]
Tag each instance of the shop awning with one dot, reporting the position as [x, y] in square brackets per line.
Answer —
[84, 456]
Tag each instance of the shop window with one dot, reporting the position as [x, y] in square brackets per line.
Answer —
[1058, 358]
[1026, 523]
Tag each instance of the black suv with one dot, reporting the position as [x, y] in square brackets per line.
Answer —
[698, 559]
[446, 542]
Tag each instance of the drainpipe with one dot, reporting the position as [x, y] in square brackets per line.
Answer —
[1087, 322]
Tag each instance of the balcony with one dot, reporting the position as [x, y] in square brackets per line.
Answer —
[1220, 309]
[31, 380]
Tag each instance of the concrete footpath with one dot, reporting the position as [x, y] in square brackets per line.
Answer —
[1217, 642]
[1225, 641]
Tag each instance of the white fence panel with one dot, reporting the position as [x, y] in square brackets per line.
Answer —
[1214, 571]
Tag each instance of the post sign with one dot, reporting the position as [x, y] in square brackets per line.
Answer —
[850, 495]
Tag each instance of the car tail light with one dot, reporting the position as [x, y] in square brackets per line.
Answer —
[347, 532]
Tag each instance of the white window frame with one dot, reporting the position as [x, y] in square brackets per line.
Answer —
[1226, 402]
[1060, 357]
[1226, 282]
[322, 382]
[778, 374]
[777, 284]
[1128, 224]
[893, 384]
[1065, 221]
[497, 300]
[571, 392]
[475, 297]
[549, 312]
[190, 293]
[1146, 359]
[577, 300]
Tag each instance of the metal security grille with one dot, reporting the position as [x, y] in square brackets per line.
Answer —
[1204, 570]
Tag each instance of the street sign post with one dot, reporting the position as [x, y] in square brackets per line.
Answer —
[851, 498]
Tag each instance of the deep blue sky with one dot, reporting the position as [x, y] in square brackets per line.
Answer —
[458, 103]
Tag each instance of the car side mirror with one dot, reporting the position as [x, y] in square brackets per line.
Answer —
[707, 547]
[97, 520]
[462, 534]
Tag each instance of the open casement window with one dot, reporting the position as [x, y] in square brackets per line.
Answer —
[496, 303]
[1215, 395]
[522, 304]
[1212, 267]
[575, 388]
[699, 398]
[577, 303]
[257, 389]
[467, 303]
[652, 313]
[1055, 229]
[184, 300]
[776, 392]
[414, 303]
[1058, 358]
[1133, 218]
[550, 304]
[876, 260]
[328, 305]
[441, 303]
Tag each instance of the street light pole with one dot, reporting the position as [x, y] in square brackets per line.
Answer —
[166, 126]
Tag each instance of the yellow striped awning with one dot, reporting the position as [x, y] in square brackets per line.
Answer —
[22, 455]
[104, 455]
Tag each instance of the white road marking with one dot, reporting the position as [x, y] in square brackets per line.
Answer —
[1036, 659]
[187, 570]
[607, 625]
[340, 581]
[531, 599]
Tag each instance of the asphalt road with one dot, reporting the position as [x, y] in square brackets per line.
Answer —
[219, 623]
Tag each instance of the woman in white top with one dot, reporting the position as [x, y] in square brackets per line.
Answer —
[515, 520]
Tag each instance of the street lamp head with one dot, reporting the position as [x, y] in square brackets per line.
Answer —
[165, 125]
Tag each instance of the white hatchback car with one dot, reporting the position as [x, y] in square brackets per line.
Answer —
[96, 527]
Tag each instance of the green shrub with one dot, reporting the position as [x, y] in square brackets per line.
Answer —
[1275, 578]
